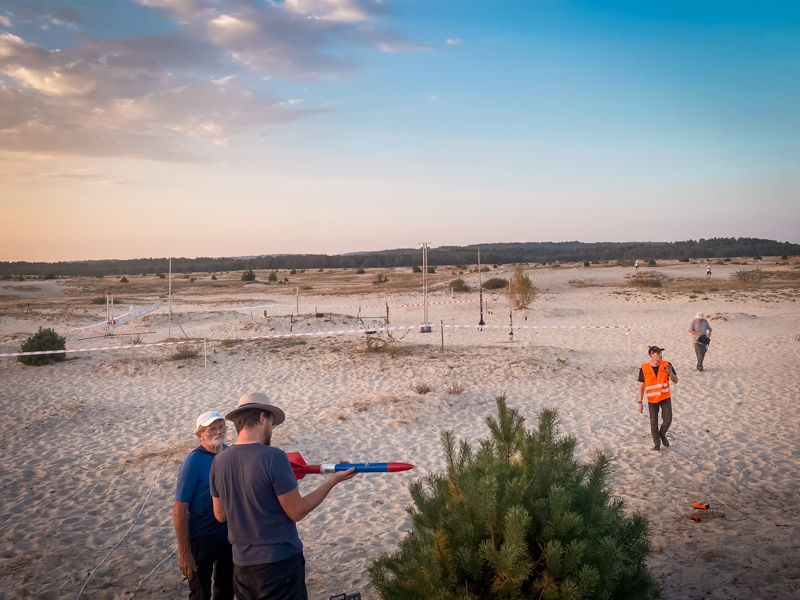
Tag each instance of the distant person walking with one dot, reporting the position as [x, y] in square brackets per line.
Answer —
[203, 546]
[255, 491]
[701, 332]
[637, 265]
[708, 271]
[654, 379]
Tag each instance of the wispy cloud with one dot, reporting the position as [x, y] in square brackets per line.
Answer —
[155, 96]
[453, 41]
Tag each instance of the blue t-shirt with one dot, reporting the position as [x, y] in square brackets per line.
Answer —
[193, 488]
[248, 478]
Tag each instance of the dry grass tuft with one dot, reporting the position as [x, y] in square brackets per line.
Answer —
[648, 279]
[422, 388]
[751, 275]
[454, 386]
[184, 353]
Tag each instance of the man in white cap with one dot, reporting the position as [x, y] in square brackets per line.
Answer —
[701, 332]
[255, 491]
[203, 546]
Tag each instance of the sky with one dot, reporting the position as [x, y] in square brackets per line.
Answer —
[150, 128]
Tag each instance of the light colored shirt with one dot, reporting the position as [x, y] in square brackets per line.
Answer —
[702, 327]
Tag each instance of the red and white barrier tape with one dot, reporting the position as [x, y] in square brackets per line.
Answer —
[323, 306]
[315, 333]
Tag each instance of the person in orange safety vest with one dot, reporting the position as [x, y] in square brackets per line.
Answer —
[654, 384]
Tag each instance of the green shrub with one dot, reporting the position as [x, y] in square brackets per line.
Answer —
[124, 280]
[248, 275]
[459, 285]
[586, 263]
[213, 277]
[273, 277]
[651, 262]
[683, 259]
[519, 517]
[416, 269]
[784, 257]
[757, 257]
[161, 276]
[360, 271]
[5, 278]
[431, 269]
[293, 272]
[285, 280]
[727, 259]
[379, 279]
[48, 276]
[44, 339]
[99, 276]
[495, 283]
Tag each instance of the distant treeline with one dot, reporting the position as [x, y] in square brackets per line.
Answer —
[530, 252]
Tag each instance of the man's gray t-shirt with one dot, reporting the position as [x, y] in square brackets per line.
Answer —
[700, 327]
[248, 478]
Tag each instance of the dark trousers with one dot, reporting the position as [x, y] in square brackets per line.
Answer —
[211, 556]
[700, 351]
[666, 419]
[282, 580]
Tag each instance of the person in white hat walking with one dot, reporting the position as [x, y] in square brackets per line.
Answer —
[701, 332]
[203, 546]
[254, 490]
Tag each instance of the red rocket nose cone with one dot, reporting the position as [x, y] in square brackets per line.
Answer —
[394, 467]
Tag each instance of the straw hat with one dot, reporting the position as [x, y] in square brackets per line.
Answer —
[257, 400]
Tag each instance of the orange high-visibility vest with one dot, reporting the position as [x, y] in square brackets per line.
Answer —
[656, 389]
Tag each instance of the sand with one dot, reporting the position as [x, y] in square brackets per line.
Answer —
[82, 442]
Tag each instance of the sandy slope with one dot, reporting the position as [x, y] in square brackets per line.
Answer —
[81, 442]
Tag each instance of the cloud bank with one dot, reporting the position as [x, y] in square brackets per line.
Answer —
[166, 96]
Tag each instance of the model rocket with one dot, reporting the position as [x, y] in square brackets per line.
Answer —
[301, 469]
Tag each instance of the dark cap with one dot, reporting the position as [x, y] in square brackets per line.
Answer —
[654, 349]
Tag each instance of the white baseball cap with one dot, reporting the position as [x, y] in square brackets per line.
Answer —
[699, 316]
[207, 418]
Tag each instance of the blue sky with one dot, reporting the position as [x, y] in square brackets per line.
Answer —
[232, 127]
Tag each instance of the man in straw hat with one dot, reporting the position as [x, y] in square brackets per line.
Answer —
[654, 379]
[701, 332]
[254, 490]
[203, 546]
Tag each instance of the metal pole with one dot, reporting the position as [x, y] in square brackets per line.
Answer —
[480, 288]
[511, 322]
[424, 283]
[169, 319]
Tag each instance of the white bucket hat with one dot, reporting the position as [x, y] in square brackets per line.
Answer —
[699, 316]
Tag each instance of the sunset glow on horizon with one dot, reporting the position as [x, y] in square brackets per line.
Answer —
[150, 128]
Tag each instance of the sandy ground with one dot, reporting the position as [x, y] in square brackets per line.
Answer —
[83, 441]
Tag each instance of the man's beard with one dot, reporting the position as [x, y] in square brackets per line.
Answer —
[267, 438]
[218, 441]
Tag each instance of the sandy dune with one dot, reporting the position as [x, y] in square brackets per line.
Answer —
[81, 442]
